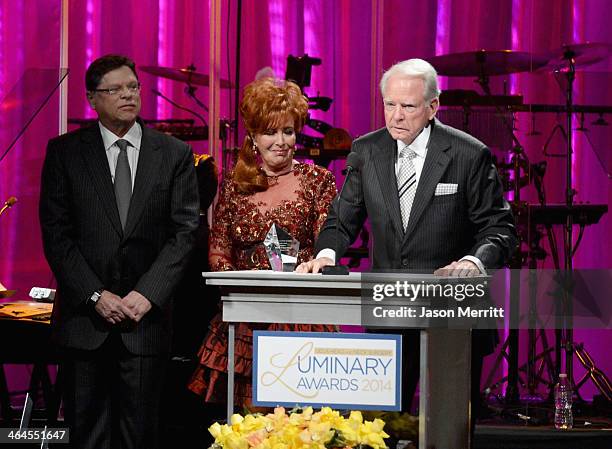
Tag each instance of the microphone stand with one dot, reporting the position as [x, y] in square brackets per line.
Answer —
[4, 293]
[178, 106]
[342, 270]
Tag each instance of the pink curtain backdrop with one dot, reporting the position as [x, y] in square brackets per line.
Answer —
[176, 34]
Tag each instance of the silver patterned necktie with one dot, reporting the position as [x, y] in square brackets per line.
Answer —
[123, 181]
[406, 183]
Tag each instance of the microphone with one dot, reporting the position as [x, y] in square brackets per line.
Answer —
[8, 204]
[353, 164]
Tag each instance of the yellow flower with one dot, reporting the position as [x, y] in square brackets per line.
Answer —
[356, 416]
[252, 423]
[349, 433]
[220, 432]
[320, 431]
[234, 441]
[328, 415]
[305, 436]
[215, 430]
[265, 444]
[290, 435]
[256, 438]
[307, 413]
[371, 433]
[296, 419]
[277, 420]
[236, 419]
[305, 430]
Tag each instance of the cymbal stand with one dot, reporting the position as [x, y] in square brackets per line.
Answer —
[534, 374]
[564, 333]
[598, 377]
[178, 106]
[512, 393]
[519, 159]
[191, 89]
[536, 330]
[225, 126]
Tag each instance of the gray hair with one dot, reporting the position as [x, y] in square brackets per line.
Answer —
[417, 68]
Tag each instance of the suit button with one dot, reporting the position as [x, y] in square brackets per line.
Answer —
[405, 263]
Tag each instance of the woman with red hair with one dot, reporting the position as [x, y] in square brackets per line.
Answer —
[267, 186]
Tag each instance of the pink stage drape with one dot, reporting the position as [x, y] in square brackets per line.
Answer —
[176, 34]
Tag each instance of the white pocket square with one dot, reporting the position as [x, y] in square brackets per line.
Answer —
[445, 189]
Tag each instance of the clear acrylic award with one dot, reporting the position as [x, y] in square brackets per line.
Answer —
[281, 248]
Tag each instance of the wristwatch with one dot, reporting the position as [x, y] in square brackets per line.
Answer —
[95, 296]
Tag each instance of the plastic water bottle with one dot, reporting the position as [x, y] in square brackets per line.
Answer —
[563, 404]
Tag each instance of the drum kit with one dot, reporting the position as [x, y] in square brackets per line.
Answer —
[518, 173]
[482, 64]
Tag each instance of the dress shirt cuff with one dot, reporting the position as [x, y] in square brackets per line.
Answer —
[477, 261]
[327, 252]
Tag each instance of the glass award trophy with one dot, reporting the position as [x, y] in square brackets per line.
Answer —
[281, 248]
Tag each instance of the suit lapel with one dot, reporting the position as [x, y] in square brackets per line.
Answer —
[149, 162]
[384, 161]
[434, 167]
[96, 161]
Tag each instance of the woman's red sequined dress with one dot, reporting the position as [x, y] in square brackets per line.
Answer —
[297, 202]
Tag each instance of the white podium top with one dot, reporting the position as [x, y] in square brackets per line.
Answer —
[269, 278]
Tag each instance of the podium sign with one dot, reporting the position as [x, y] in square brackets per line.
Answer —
[349, 371]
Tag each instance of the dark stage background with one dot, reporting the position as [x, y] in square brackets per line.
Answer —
[356, 40]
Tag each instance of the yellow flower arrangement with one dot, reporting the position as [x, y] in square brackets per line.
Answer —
[300, 429]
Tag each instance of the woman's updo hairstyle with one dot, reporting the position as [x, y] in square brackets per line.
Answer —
[267, 104]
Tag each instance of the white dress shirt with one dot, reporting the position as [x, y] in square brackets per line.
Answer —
[134, 136]
[419, 146]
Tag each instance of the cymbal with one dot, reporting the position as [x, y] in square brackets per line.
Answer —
[583, 54]
[186, 75]
[468, 97]
[487, 62]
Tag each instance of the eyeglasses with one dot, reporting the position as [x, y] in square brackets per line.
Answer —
[113, 91]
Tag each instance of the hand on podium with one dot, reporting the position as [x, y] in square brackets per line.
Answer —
[463, 268]
[314, 266]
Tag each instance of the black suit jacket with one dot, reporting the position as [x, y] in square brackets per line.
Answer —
[476, 220]
[87, 249]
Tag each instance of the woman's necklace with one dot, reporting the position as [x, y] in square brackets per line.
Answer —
[273, 179]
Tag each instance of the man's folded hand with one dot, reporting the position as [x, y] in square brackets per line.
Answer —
[136, 305]
[110, 307]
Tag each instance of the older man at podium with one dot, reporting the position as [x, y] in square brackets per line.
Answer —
[445, 213]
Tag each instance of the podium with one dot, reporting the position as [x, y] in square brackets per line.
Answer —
[276, 297]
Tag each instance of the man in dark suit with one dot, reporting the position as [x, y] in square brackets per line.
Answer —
[433, 198]
[118, 212]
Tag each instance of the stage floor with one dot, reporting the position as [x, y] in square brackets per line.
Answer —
[546, 437]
